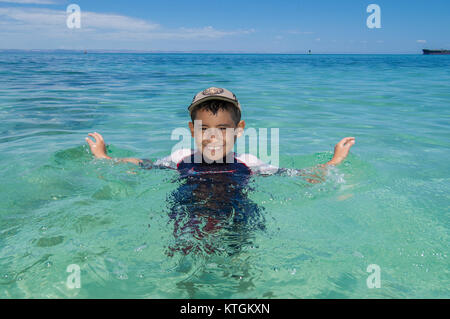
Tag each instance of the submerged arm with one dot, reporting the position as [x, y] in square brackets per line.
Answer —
[317, 173]
[312, 175]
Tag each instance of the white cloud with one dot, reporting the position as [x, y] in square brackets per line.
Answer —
[30, 1]
[299, 32]
[421, 41]
[206, 32]
[19, 25]
[51, 19]
[115, 22]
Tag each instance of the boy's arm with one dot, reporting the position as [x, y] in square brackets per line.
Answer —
[98, 149]
[317, 173]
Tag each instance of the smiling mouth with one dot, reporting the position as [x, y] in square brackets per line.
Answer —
[213, 148]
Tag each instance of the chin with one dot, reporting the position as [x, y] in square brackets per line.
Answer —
[214, 156]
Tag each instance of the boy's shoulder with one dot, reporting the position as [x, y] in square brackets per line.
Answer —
[249, 159]
[256, 165]
[175, 158]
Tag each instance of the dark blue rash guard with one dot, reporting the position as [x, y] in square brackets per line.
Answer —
[191, 159]
[230, 167]
[211, 197]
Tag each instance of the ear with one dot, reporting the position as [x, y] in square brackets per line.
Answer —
[240, 128]
[191, 127]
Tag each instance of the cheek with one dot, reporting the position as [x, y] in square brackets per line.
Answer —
[198, 139]
[200, 135]
[229, 140]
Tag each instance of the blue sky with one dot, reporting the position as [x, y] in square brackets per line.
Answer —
[286, 26]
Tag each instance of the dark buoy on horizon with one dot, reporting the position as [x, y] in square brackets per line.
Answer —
[309, 51]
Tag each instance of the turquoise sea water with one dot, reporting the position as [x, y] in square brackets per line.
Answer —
[388, 204]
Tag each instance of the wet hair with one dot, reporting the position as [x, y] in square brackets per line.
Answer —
[214, 106]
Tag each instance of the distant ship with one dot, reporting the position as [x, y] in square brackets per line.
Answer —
[433, 52]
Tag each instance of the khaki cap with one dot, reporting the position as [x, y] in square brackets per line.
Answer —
[214, 93]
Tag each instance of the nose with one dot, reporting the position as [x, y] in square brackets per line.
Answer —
[212, 134]
[212, 139]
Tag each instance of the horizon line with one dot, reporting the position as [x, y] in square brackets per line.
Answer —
[203, 52]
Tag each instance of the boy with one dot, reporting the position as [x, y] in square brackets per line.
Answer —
[213, 192]
[219, 114]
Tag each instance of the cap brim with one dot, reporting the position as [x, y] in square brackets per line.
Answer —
[208, 98]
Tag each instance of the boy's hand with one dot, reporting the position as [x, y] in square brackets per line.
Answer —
[341, 150]
[98, 148]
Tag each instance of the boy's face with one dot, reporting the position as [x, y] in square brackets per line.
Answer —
[216, 134]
